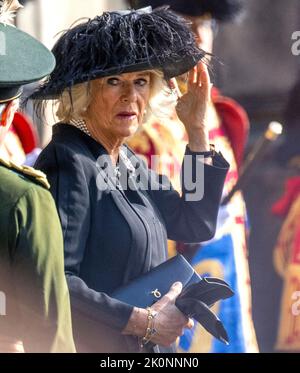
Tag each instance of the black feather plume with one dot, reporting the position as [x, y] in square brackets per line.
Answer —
[115, 43]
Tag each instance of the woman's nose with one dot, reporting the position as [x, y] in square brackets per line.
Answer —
[129, 94]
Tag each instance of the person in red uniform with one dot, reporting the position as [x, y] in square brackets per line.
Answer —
[287, 248]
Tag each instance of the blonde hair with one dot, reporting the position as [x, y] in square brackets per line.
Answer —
[74, 102]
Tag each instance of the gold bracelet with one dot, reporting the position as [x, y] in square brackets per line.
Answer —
[134, 327]
[150, 330]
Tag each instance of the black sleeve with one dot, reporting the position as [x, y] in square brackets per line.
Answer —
[71, 192]
[192, 216]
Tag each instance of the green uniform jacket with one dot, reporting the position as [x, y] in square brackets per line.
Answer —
[34, 298]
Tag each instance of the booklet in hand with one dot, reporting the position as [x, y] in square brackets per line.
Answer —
[197, 296]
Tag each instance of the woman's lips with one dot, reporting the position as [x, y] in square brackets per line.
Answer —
[127, 115]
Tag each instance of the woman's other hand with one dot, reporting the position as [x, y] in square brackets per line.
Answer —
[169, 322]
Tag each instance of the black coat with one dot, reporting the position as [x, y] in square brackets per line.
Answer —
[112, 236]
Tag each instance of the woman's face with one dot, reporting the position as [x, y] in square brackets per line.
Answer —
[118, 105]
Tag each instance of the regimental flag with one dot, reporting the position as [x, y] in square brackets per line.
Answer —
[226, 257]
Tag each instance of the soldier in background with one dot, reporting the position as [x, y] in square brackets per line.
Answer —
[287, 248]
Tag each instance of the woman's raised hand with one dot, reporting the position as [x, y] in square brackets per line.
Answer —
[192, 107]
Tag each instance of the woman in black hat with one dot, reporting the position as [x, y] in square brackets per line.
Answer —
[115, 214]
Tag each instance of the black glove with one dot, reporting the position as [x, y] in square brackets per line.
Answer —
[194, 301]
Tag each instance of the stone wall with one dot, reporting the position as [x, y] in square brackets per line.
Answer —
[259, 67]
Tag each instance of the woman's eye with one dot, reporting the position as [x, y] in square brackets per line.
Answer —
[113, 81]
[141, 82]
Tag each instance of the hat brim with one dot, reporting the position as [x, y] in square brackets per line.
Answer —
[171, 70]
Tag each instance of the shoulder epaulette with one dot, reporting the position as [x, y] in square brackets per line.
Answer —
[29, 172]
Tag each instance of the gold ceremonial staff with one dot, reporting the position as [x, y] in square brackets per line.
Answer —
[256, 155]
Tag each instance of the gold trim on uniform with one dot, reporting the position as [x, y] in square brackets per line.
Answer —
[37, 175]
[4, 162]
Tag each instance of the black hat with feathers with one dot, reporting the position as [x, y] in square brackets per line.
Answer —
[119, 42]
[221, 10]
